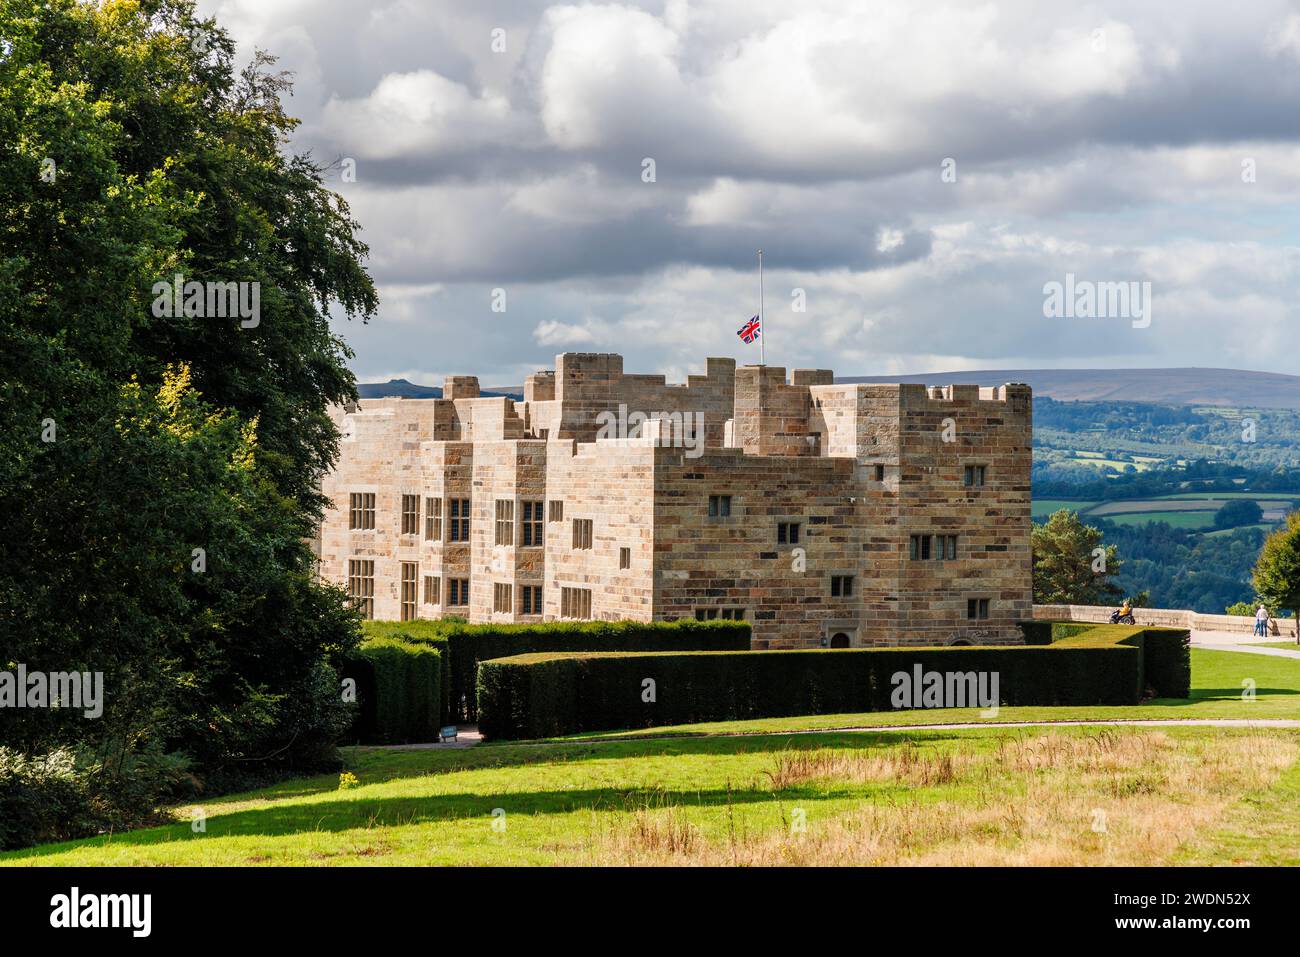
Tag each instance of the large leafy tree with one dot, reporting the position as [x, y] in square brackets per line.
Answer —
[1277, 571]
[159, 475]
[1071, 566]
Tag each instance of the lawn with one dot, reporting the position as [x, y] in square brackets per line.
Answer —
[998, 795]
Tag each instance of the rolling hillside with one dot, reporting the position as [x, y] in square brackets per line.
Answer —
[1233, 388]
[410, 390]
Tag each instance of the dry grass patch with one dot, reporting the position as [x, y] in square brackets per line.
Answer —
[1109, 798]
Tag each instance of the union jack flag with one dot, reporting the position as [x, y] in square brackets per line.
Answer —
[750, 330]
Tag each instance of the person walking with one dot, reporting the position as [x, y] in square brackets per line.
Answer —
[1261, 621]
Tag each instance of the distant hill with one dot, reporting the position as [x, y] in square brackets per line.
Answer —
[409, 390]
[1233, 388]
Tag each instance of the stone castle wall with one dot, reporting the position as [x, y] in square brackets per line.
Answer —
[859, 468]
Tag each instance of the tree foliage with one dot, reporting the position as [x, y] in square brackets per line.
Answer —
[1238, 512]
[1071, 566]
[159, 475]
[1277, 572]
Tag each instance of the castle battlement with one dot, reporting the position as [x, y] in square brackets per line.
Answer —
[823, 513]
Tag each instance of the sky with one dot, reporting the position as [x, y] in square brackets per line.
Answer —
[534, 178]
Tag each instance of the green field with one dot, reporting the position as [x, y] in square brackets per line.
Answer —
[1220, 532]
[1140, 510]
[1043, 507]
[1189, 520]
[1224, 496]
[989, 795]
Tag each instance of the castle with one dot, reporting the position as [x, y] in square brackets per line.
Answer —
[826, 515]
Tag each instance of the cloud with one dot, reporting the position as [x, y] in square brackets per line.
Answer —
[918, 170]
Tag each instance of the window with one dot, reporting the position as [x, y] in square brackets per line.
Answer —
[719, 506]
[361, 510]
[431, 583]
[841, 586]
[582, 533]
[625, 558]
[410, 573]
[501, 597]
[505, 521]
[433, 519]
[457, 592]
[458, 519]
[575, 602]
[712, 614]
[977, 609]
[557, 512]
[880, 473]
[787, 533]
[532, 600]
[532, 529]
[410, 514]
[920, 548]
[945, 547]
[361, 585]
[975, 475]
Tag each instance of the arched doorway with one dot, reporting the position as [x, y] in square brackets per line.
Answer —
[960, 641]
[839, 640]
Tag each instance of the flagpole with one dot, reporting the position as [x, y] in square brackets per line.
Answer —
[762, 331]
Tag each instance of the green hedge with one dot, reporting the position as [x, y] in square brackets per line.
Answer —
[417, 632]
[1037, 632]
[464, 645]
[545, 695]
[398, 691]
[1168, 662]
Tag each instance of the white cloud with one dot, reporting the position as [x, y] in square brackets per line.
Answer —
[1107, 140]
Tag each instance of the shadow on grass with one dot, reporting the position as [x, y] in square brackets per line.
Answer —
[362, 812]
[284, 817]
[1203, 695]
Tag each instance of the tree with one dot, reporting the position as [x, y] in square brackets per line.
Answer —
[159, 474]
[1277, 570]
[1071, 566]
[1238, 512]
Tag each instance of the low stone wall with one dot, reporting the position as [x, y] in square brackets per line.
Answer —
[1167, 618]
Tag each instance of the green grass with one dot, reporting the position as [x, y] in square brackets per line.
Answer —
[1221, 532]
[928, 795]
[1288, 645]
[1189, 520]
[1261, 830]
[1043, 507]
[1215, 496]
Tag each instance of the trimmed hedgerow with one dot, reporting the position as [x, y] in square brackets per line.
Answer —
[1036, 632]
[545, 695]
[1167, 663]
[465, 645]
[398, 691]
[417, 632]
